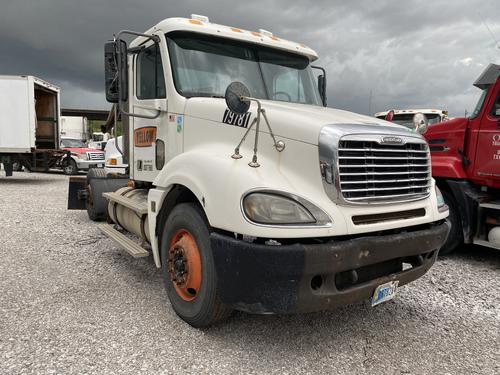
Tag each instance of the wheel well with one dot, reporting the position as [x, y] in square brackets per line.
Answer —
[466, 197]
[178, 194]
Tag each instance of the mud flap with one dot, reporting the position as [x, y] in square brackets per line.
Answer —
[77, 195]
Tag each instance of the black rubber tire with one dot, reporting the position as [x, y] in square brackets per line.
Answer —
[206, 309]
[99, 182]
[96, 173]
[69, 167]
[456, 235]
[94, 213]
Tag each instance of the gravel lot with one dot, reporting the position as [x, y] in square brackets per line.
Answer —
[72, 302]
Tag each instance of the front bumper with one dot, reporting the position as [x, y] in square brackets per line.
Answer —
[311, 277]
[87, 164]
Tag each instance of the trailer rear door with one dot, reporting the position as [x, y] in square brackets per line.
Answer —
[16, 108]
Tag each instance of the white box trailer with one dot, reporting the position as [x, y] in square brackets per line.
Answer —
[29, 123]
[74, 127]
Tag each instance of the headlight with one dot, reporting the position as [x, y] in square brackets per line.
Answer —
[275, 208]
[442, 207]
[81, 156]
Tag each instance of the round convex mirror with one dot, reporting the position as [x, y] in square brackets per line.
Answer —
[234, 93]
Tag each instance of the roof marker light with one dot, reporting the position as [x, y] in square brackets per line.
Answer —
[200, 18]
[255, 33]
[196, 22]
[266, 33]
[236, 30]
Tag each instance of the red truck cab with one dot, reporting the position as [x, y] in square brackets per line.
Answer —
[466, 165]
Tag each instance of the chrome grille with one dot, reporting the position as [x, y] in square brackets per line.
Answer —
[95, 155]
[374, 172]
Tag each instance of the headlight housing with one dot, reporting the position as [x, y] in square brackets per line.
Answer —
[278, 208]
[441, 204]
[82, 156]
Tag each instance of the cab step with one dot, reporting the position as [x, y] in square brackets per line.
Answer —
[139, 208]
[495, 205]
[487, 244]
[126, 243]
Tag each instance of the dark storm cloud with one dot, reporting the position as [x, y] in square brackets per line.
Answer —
[406, 53]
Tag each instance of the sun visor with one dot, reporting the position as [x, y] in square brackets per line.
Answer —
[488, 76]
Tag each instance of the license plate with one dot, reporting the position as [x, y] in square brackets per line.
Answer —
[385, 292]
[100, 165]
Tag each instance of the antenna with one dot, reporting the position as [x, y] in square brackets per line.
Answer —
[491, 33]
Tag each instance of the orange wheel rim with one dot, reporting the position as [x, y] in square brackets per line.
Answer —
[184, 265]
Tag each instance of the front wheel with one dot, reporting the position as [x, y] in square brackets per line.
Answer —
[188, 267]
[70, 167]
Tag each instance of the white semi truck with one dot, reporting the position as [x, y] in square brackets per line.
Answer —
[249, 192]
[29, 124]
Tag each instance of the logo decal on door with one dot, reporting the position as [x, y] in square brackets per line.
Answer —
[145, 137]
[496, 140]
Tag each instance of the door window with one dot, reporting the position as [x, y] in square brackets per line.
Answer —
[496, 107]
[150, 79]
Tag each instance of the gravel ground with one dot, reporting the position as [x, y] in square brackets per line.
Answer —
[72, 302]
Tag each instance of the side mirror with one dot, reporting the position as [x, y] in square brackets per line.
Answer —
[235, 94]
[115, 71]
[389, 116]
[322, 88]
[420, 122]
[321, 83]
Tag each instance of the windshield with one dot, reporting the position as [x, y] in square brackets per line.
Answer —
[206, 65]
[72, 143]
[97, 137]
[479, 104]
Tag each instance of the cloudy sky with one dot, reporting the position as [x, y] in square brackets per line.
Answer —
[406, 53]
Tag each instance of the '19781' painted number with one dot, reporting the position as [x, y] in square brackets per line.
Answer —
[232, 118]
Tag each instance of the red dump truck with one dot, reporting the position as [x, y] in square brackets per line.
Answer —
[465, 156]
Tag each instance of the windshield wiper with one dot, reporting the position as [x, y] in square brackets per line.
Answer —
[202, 95]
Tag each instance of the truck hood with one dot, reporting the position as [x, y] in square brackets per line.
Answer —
[79, 150]
[297, 121]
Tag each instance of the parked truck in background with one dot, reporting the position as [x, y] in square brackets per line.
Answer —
[81, 157]
[98, 140]
[114, 156]
[251, 194]
[29, 124]
[405, 116]
[74, 127]
[466, 165]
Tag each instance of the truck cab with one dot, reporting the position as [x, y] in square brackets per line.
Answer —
[247, 190]
[466, 165]
[81, 157]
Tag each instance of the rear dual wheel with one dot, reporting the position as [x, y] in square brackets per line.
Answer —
[188, 267]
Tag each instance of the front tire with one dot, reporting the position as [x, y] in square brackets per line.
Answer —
[456, 236]
[70, 167]
[188, 267]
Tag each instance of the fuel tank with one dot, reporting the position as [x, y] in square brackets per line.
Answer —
[128, 218]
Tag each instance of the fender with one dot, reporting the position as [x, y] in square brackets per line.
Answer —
[467, 197]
